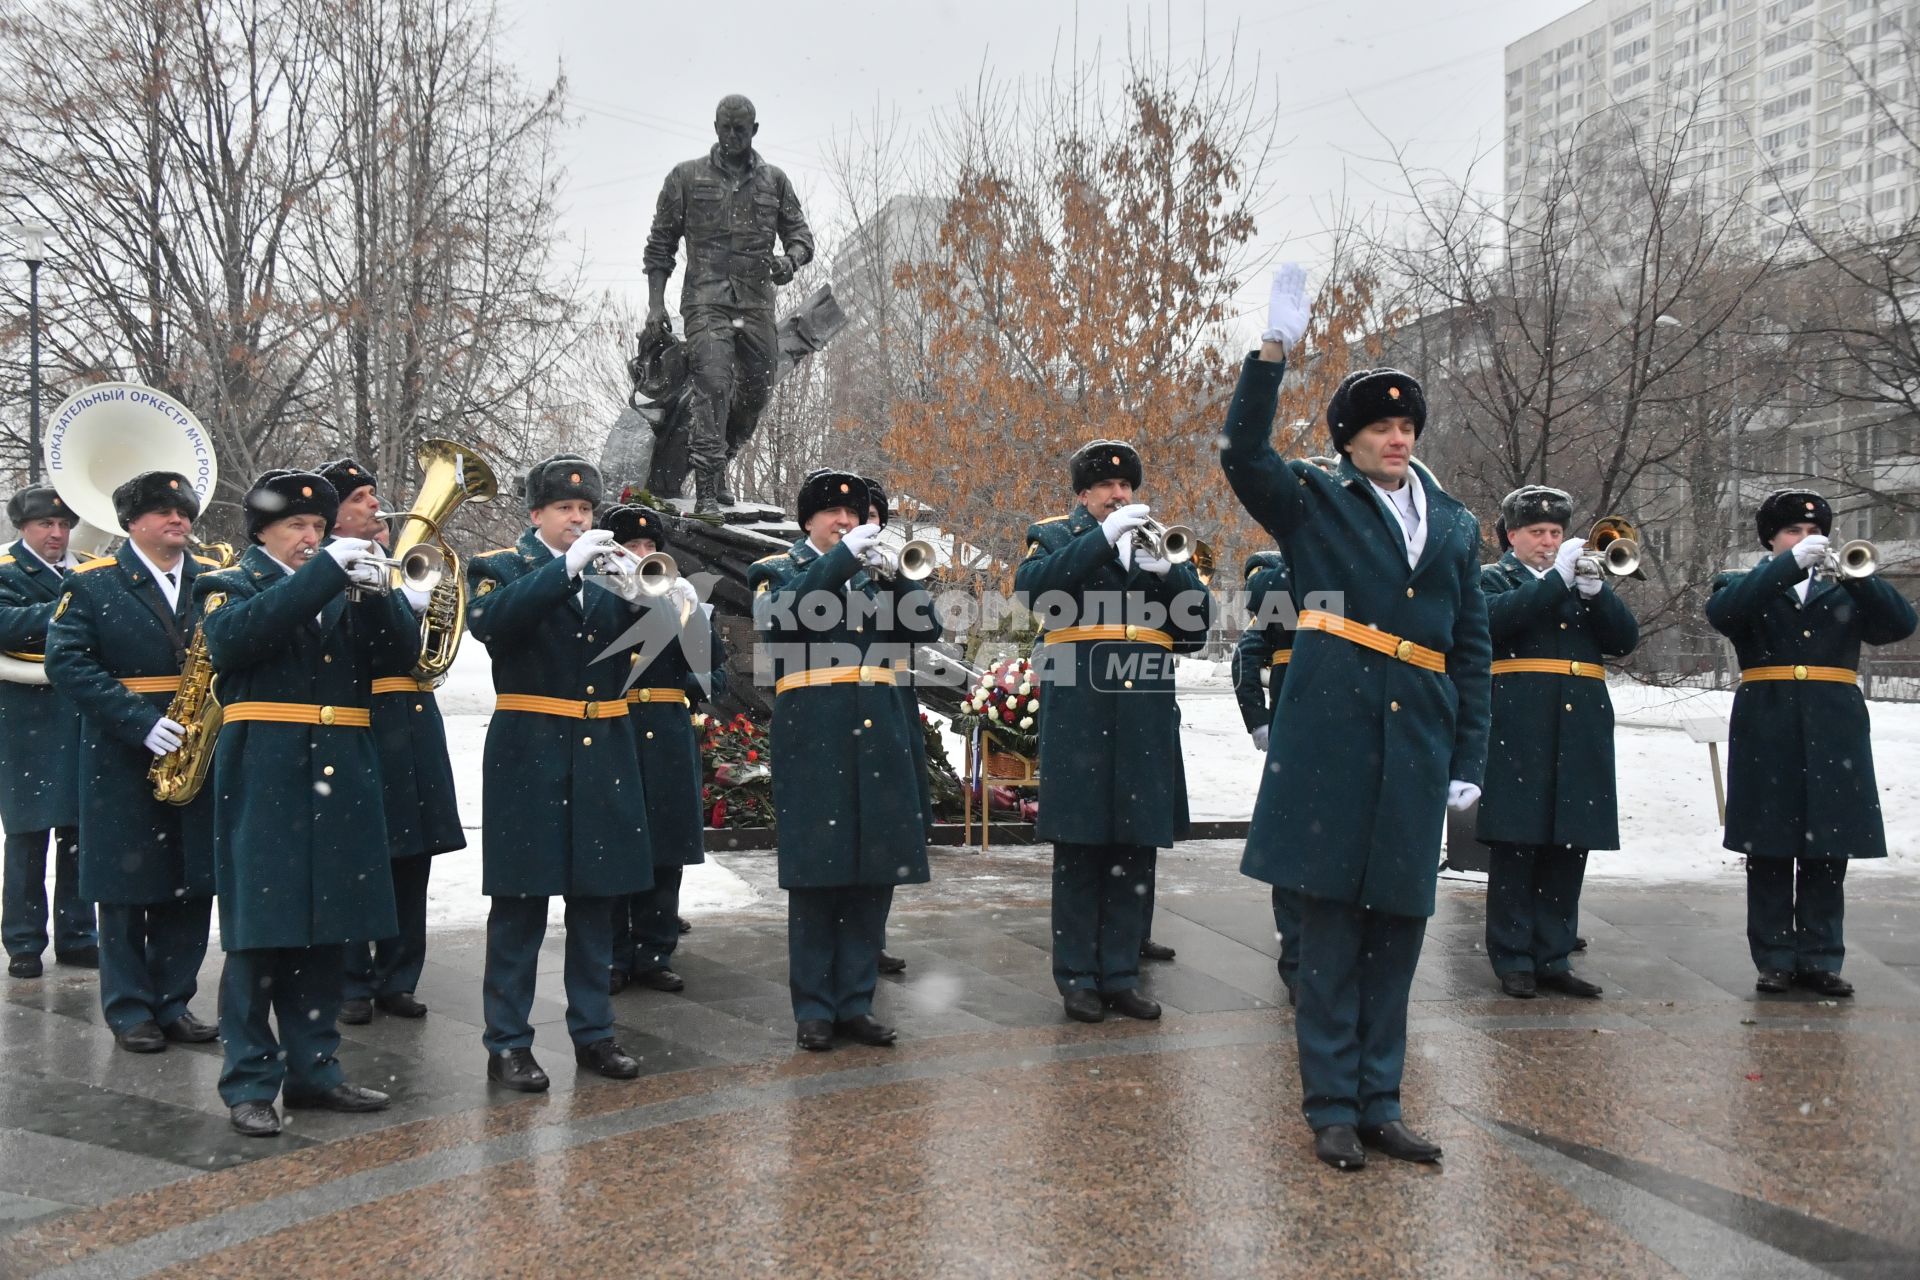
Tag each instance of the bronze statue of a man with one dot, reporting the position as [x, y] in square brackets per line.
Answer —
[729, 205]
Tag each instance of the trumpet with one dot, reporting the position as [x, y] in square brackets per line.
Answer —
[420, 568]
[914, 562]
[1613, 548]
[1173, 543]
[1854, 560]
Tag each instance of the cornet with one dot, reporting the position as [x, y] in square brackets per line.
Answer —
[1612, 548]
[914, 562]
[1856, 559]
[420, 569]
[1173, 543]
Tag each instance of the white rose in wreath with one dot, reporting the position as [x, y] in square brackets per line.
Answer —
[1027, 723]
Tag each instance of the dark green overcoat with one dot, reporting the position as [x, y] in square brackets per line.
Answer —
[416, 775]
[300, 832]
[1110, 765]
[1363, 745]
[39, 725]
[116, 624]
[1800, 780]
[669, 750]
[1267, 632]
[563, 809]
[845, 801]
[1550, 771]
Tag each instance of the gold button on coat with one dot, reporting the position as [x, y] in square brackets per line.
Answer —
[326, 715]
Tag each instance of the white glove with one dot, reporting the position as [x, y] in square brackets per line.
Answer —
[1124, 520]
[348, 552]
[367, 574]
[1461, 796]
[416, 600]
[1153, 564]
[1588, 587]
[1123, 551]
[580, 555]
[1564, 563]
[685, 599]
[1810, 551]
[1260, 735]
[165, 736]
[1287, 305]
[864, 541]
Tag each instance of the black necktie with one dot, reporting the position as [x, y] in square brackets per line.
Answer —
[171, 580]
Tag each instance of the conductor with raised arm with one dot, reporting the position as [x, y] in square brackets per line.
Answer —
[1380, 726]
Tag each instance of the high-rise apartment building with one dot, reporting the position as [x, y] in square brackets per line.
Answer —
[1778, 96]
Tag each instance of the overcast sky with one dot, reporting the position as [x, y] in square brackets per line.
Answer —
[1342, 75]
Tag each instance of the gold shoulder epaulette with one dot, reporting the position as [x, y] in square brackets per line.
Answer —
[778, 555]
[6, 559]
[99, 562]
[497, 551]
[1050, 520]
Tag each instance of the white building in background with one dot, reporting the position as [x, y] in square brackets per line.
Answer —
[1783, 90]
[1779, 96]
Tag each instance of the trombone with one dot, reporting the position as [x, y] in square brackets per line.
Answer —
[1613, 549]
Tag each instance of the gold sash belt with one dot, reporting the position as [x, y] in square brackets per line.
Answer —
[1373, 638]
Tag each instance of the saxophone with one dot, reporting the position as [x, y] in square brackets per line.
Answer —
[178, 776]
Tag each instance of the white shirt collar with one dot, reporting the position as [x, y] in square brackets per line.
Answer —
[1409, 499]
[66, 562]
[542, 540]
[170, 590]
[285, 568]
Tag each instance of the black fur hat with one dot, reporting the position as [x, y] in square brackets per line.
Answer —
[346, 475]
[1536, 504]
[1100, 460]
[631, 520]
[877, 498]
[825, 487]
[1365, 396]
[1791, 506]
[276, 495]
[155, 491]
[563, 476]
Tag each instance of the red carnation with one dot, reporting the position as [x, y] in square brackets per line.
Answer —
[752, 756]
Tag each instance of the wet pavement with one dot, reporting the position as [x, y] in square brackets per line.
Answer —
[1682, 1126]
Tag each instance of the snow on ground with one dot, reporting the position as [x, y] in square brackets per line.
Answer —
[454, 900]
[1669, 826]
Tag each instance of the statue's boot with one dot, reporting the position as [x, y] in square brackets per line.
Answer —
[706, 492]
[722, 487]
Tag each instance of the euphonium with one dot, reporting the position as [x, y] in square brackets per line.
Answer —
[178, 776]
[450, 474]
[1612, 548]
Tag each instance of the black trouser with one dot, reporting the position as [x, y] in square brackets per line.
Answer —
[1098, 923]
[1533, 906]
[23, 894]
[1796, 910]
[150, 956]
[833, 950]
[393, 965]
[646, 926]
